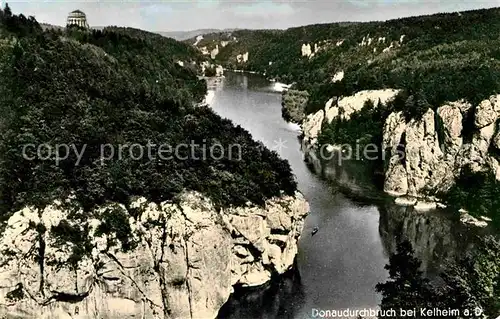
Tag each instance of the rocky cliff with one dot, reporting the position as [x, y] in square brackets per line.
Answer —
[180, 260]
[423, 156]
[327, 160]
[436, 148]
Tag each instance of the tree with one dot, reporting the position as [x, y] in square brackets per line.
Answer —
[407, 288]
[474, 282]
[469, 284]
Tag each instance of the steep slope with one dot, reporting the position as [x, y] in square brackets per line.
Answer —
[410, 53]
[111, 176]
[122, 91]
[437, 77]
[185, 35]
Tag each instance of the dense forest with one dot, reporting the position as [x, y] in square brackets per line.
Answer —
[432, 59]
[116, 86]
[446, 56]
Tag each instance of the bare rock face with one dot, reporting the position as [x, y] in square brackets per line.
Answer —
[434, 149]
[242, 58]
[419, 161]
[424, 160]
[331, 110]
[312, 126]
[424, 156]
[178, 261]
[485, 114]
[396, 182]
[214, 52]
[306, 50]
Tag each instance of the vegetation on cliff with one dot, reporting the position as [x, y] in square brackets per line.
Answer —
[445, 56]
[293, 105]
[471, 287]
[478, 193]
[118, 86]
[432, 59]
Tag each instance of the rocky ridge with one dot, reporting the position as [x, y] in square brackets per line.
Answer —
[436, 149]
[423, 157]
[186, 258]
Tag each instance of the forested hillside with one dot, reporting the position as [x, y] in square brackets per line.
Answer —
[446, 56]
[467, 289]
[432, 59]
[121, 87]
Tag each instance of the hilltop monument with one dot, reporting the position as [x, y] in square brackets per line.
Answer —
[78, 18]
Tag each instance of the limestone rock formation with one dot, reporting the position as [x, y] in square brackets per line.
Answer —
[219, 70]
[451, 118]
[242, 58]
[339, 76]
[423, 156]
[198, 39]
[350, 104]
[344, 107]
[180, 259]
[434, 148]
[214, 52]
[312, 126]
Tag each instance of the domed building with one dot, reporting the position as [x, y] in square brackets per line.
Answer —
[78, 18]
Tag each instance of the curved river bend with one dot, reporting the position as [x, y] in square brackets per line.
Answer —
[340, 265]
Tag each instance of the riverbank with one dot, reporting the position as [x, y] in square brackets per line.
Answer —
[348, 238]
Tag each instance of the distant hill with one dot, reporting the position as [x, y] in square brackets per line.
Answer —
[184, 35]
[177, 35]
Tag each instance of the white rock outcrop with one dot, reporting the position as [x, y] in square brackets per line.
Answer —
[350, 104]
[339, 76]
[184, 262]
[311, 126]
[204, 50]
[198, 39]
[306, 50]
[344, 107]
[434, 150]
[214, 52]
[242, 58]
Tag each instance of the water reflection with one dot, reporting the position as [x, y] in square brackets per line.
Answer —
[341, 264]
[282, 298]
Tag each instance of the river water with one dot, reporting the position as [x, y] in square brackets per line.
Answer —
[340, 265]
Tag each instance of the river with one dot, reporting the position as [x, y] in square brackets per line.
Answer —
[340, 265]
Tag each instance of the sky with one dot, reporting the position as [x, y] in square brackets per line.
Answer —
[184, 15]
